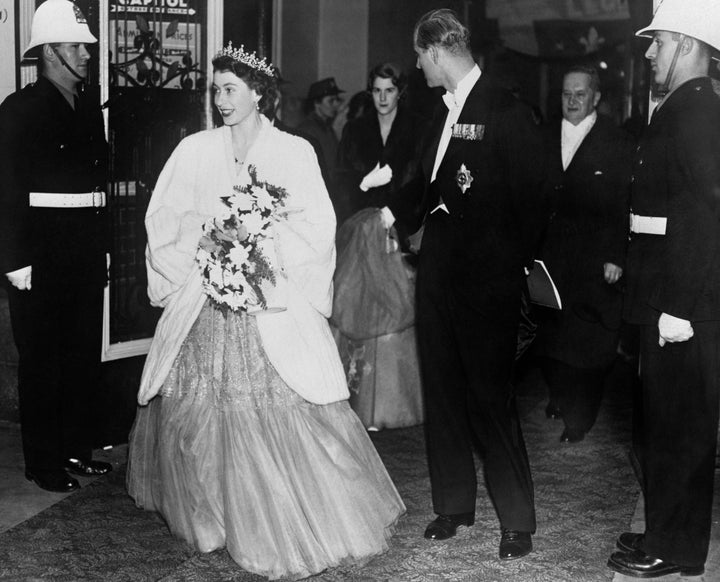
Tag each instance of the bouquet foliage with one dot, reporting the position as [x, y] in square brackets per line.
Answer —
[236, 250]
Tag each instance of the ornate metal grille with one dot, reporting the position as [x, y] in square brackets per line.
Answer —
[156, 97]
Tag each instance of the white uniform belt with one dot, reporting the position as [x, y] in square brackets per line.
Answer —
[67, 200]
[648, 224]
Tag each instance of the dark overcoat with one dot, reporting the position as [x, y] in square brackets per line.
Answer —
[588, 227]
[361, 149]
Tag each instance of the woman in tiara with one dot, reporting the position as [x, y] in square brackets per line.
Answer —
[244, 438]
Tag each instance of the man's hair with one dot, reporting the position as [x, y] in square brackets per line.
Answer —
[590, 72]
[442, 28]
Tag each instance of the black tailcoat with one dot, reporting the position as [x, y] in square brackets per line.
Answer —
[588, 228]
[677, 176]
[47, 146]
[470, 273]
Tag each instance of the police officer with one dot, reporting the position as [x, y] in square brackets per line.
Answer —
[673, 271]
[53, 246]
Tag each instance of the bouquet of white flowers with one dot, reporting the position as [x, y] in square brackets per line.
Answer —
[236, 251]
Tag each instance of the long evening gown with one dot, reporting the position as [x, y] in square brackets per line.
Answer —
[373, 325]
[231, 457]
[374, 328]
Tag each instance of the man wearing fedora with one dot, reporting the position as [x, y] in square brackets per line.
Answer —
[673, 294]
[323, 105]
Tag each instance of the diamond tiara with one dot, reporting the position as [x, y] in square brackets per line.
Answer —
[249, 59]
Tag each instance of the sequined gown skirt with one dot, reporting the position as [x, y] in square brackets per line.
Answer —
[231, 457]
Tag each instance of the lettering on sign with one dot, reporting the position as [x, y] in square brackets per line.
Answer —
[145, 6]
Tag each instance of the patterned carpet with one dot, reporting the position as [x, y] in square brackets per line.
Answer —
[585, 493]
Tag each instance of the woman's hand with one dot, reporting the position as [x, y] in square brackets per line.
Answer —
[376, 177]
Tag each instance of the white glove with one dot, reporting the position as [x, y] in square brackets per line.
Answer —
[387, 217]
[612, 273]
[673, 329]
[376, 177]
[22, 278]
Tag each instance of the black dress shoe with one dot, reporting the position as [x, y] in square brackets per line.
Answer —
[638, 564]
[445, 526]
[629, 541]
[56, 481]
[87, 469]
[515, 544]
[570, 435]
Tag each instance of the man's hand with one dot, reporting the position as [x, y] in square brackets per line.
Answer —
[612, 273]
[673, 329]
[376, 177]
[22, 278]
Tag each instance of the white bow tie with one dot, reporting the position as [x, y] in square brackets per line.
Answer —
[449, 99]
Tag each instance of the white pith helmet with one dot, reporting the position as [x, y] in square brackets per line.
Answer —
[697, 18]
[58, 21]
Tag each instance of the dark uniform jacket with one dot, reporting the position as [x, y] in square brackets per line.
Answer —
[491, 180]
[361, 148]
[587, 228]
[677, 175]
[46, 146]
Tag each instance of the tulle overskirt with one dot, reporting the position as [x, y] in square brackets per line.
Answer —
[231, 457]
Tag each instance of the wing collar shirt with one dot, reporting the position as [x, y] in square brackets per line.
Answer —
[571, 136]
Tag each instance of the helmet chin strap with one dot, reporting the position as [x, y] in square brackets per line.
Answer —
[68, 67]
[664, 87]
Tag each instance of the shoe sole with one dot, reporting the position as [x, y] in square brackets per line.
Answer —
[620, 569]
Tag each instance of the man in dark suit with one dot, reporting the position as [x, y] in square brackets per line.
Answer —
[53, 247]
[478, 190]
[673, 271]
[589, 167]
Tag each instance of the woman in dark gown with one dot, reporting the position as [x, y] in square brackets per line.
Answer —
[373, 311]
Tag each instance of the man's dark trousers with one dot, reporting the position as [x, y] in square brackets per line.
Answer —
[467, 342]
[58, 334]
[680, 424]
